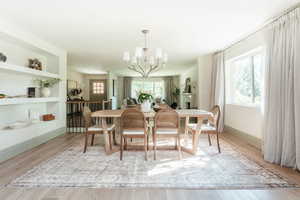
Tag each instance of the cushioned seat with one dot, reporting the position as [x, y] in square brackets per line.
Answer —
[167, 131]
[204, 127]
[99, 128]
[133, 132]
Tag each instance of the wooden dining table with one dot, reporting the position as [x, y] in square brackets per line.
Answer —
[102, 116]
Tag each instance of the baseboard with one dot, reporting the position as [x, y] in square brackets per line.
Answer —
[29, 144]
[254, 141]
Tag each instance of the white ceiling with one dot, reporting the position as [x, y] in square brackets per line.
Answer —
[96, 33]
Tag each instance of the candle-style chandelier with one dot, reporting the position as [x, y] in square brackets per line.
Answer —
[144, 63]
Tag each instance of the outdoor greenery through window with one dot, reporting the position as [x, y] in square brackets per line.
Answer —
[244, 77]
[154, 87]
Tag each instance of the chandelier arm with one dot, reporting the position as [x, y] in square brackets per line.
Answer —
[140, 67]
[134, 69]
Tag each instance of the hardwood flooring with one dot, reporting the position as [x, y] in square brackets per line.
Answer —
[23, 162]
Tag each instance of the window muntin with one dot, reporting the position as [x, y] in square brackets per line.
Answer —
[154, 87]
[98, 88]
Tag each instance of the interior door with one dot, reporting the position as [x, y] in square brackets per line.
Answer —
[98, 90]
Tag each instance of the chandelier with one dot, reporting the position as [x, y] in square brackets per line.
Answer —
[144, 63]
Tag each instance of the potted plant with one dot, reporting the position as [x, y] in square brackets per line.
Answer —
[144, 99]
[45, 85]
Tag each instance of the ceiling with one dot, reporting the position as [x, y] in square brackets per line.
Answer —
[95, 33]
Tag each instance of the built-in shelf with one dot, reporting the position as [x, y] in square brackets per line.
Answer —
[12, 101]
[37, 126]
[26, 70]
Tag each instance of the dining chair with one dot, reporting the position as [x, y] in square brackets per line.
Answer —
[106, 104]
[133, 125]
[166, 125]
[211, 127]
[92, 128]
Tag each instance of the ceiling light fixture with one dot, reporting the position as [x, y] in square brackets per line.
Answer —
[142, 62]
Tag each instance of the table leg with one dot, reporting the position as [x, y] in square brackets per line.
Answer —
[106, 136]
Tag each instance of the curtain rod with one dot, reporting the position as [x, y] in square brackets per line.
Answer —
[268, 22]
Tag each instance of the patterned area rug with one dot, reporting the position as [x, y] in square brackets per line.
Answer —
[207, 170]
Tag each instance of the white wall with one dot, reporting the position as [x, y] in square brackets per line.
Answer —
[246, 119]
[204, 81]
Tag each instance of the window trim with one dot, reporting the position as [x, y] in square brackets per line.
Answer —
[228, 63]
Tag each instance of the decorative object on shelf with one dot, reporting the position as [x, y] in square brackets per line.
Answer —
[46, 85]
[2, 96]
[31, 92]
[48, 117]
[142, 62]
[3, 57]
[144, 99]
[75, 92]
[35, 64]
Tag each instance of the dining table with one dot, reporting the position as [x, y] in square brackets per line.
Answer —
[102, 117]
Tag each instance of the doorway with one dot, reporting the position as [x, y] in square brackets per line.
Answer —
[98, 90]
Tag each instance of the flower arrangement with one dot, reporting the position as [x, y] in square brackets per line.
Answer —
[47, 83]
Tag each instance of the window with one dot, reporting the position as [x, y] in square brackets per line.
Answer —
[98, 88]
[244, 77]
[154, 87]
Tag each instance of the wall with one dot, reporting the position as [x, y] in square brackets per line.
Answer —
[204, 81]
[242, 118]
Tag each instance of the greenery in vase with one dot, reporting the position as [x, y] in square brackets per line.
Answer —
[144, 97]
[47, 83]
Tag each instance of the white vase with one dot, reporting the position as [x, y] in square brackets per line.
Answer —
[46, 92]
[146, 106]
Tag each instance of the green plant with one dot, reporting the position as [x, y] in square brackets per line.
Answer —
[47, 83]
[144, 97]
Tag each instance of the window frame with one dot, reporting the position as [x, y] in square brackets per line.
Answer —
[153, 81]
[229, 74]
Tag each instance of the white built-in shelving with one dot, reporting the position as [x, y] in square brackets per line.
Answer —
[26, 70]
[14, 101]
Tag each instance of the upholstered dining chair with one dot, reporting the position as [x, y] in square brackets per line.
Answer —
[211, 127]
[166, 125]
[92, 128]
[133, 125]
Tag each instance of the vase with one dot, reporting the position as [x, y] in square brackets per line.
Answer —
[146, 106]
[46, 92]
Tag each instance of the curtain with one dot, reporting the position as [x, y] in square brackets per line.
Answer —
[169, 87]
[218, 85]
[127, 87]
[282, 95]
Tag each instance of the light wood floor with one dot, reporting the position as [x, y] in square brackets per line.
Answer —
[23, 162]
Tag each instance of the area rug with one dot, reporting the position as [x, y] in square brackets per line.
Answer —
[206, 170]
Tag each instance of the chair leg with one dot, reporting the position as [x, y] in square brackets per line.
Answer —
[85, 143]
[219, 149]
[121, 148]
[114, 137]
[92, 141]
[179, 147]
[176, 144]
[154, 145]
[125, 143]
[147, 142]
[209, 140]
[110, 140]
[145, 147]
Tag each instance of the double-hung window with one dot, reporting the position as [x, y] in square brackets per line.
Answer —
[244, 78]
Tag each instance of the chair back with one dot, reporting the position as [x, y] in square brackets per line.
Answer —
[216, 116]
[167, 119]
[87, 116]
[133, 119]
